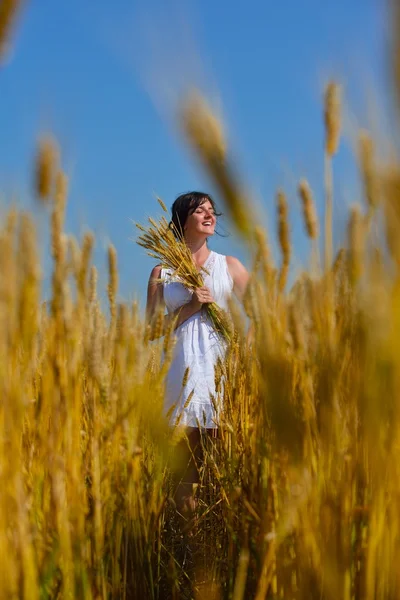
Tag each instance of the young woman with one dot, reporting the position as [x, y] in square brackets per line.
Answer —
[198, 345]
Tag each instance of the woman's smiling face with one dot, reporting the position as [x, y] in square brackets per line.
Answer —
[201, 221]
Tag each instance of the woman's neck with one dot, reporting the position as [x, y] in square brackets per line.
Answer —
[200, 252]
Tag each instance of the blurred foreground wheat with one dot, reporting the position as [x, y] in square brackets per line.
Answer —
[300, 495]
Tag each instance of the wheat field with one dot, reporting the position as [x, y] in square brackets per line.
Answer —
[299, 497]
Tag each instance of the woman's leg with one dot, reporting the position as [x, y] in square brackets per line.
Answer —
[189, 452]
[191, 458]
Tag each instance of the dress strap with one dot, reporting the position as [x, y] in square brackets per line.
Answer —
[209, 263]
[223, 272]
[228, 275]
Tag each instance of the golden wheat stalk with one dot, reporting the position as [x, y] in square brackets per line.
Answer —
[284, 237]
[46, 168]
[368, 169]
[332, 116]
[356, 243]
[309, 214]
[205, 134]
[8, 14]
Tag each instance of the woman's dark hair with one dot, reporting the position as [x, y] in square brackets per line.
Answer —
[185, 205]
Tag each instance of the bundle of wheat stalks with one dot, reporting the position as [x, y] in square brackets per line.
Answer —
[299, 497]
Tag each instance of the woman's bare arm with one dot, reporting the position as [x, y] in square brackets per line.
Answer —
[240, 276]
[155, 296]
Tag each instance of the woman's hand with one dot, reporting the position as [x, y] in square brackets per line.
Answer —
[201, 296]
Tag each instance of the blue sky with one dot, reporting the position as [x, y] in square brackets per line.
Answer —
[104, 77]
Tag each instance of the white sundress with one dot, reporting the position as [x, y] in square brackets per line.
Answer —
[197, 346]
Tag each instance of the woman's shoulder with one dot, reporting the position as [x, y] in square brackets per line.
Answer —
[239, 274]
[156, 272]
[233, 262]
[161, 274]
[225, 256]
[236, 268]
